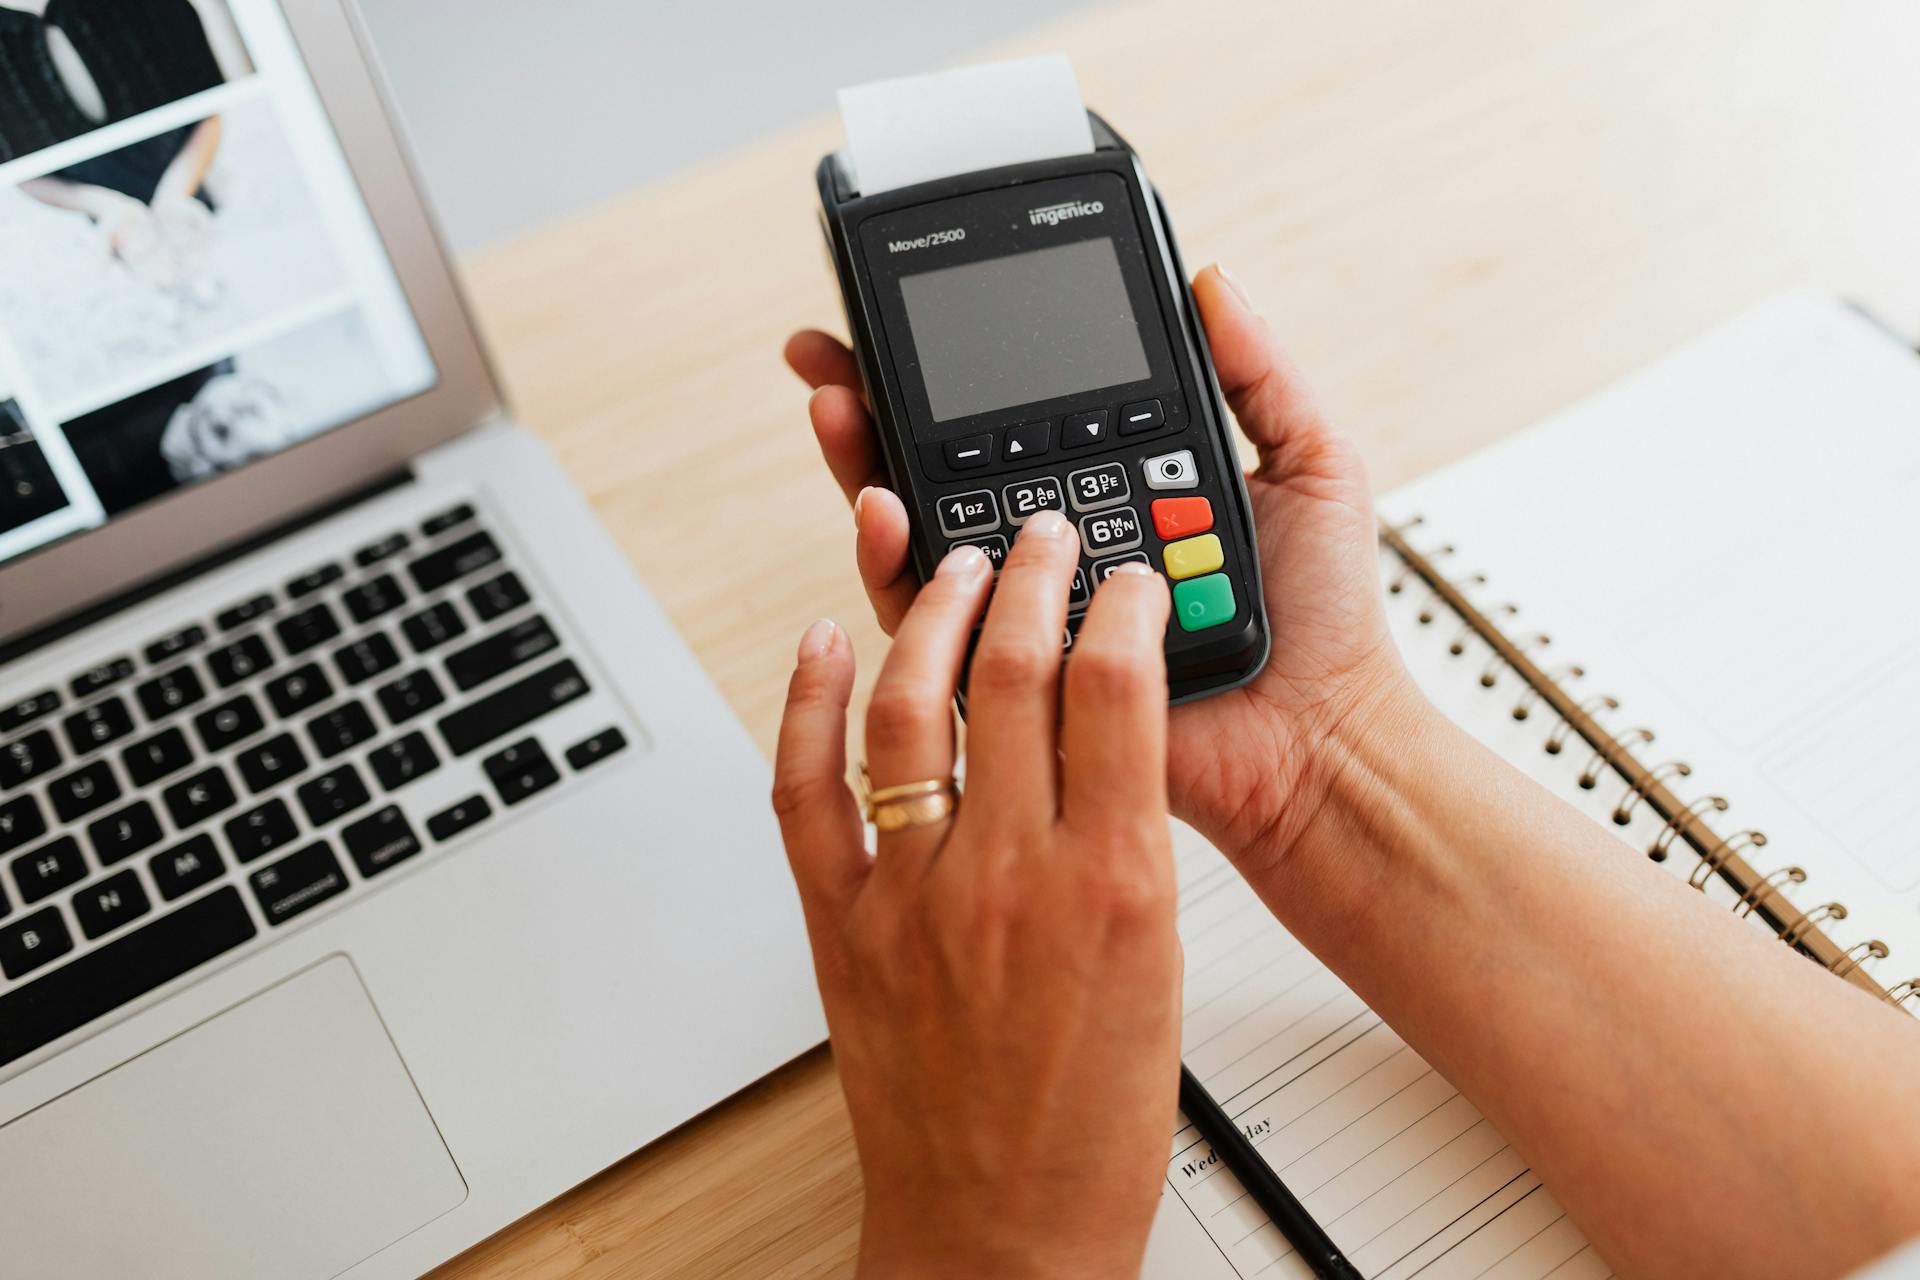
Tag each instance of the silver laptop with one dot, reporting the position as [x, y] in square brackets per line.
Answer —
[375, 862]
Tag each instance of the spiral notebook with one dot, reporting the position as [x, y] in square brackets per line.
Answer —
[1685, 604]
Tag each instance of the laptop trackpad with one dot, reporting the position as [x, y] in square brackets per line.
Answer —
[281, 1138]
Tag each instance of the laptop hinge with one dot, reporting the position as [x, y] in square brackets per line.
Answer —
[80, 619]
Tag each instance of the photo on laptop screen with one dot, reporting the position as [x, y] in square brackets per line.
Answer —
[191, 280]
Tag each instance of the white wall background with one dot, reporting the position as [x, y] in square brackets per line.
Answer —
[525, 110]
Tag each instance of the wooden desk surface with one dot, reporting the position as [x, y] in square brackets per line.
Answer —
[1461, 215]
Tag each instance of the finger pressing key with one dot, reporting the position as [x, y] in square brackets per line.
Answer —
[1114, 716]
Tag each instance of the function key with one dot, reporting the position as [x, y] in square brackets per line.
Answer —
[271, 763]
[94, 679]
[381, 840]
[520, 771]
[432, 627]
[994, 547]
[1200, 603]
[964, 513]
[298, 882]
[174, 645]
[98, 725]
[1095, 487]
[241, 660]
[244, 612]
[434, 526]
[26, 759]
[311, 626]
[1084, 430]
[341, 729]
[451, 821]
[593, 750]
[371, 599]
[303, 687]
[121, 835]
[1103, 569]
[366, 658]
[314, 579]
[222, 726]
[1192, 557]
[27, 944]
[501, 652]
[374, 552]
[1181, 517]
[332, 795]
[969, 452]
[1171, 471]
[199, 797]
[1110, 531]
[20, 821]
[1141, 415]
[258, 832]
[105, 906]
[1080, 592]
[1028, 440]
[169, 691]
[497, 596]
[455, 560]
[1030, 497]
[185, 867]
[27, 710]
[152, 759]
[49, 869]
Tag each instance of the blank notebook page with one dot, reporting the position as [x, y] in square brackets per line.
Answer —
[1719, 543]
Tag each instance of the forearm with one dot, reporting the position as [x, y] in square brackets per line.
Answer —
[79, 197]
[189, 169]
[1651, 1055]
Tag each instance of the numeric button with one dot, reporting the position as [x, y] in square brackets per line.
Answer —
[962, 514]
[994, 548]
[1030, 497]
[1092, 488]
[1110, 532]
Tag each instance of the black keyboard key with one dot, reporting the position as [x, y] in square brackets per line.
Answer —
[98, 725]
[242, 660]
[303, 687]
[314, 580]
[24, 712]
[180, 870]
[501, 652]
[169, 692]
[49, 869]
[26, 759]
[380, 841]
[174, 645]
[514, 707]
[20, 821]
[410, 695]
[374, 552]
[498, 595]
[79, 793]
[451, 821]
[455, 560]
[244, 612]
[258, 832]
[341, 729]
[271, 763]
[94, 679]
[592, 751]
[124, 833]
[370, 600]
[333, 795]
[366, 658]
[399, 762]
[230, 722]
[113, 902]
[431, 628]
[312, 626]
[520, 770]
[25, 945]
[125, 969]
[199, 797]
[434, 526]
[152, 759]
[298, 882]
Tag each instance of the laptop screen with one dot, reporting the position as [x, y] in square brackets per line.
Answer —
[189, 279]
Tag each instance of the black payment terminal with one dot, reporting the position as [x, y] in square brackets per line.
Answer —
[1029, 341]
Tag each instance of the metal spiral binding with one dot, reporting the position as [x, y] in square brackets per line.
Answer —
[1763, 897]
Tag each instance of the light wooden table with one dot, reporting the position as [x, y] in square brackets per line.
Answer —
[1462, 215]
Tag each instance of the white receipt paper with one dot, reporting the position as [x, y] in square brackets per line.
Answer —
[917, 128]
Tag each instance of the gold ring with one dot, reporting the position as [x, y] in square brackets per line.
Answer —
[909, 804]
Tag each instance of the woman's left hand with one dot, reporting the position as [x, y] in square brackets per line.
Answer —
[1002, 986]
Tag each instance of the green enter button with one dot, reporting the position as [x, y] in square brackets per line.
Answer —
[1200, 603]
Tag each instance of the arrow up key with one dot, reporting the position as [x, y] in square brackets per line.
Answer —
[1029, 440]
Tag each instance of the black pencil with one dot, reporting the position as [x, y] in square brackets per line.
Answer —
[1282, 1207]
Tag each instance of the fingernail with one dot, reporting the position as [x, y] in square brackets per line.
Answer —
[817, 639]
[858, 502]
[963, 561]
[1048, 524]
[1132, 569]
[1233, 283]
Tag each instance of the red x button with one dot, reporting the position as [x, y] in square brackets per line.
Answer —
[1181, 517]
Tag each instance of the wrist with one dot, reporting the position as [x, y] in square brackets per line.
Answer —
[940, 1243]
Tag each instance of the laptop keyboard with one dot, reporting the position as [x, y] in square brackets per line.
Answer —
[168, 806]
